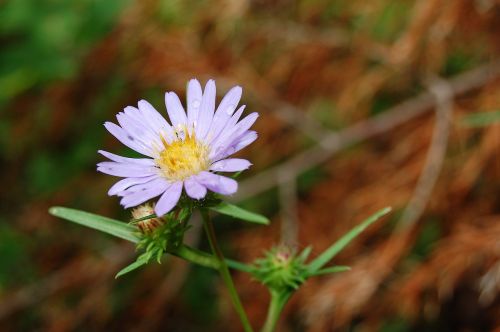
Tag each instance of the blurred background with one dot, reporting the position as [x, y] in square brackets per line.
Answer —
[362, 104]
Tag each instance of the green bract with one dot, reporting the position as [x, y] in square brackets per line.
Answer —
[281, 268]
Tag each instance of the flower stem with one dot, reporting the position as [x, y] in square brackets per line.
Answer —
[278, 301]
[224, 271]
[207, 260]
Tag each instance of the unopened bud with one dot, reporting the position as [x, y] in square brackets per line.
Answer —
[146, 225]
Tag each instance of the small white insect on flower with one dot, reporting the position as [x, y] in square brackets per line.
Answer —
[188, 153]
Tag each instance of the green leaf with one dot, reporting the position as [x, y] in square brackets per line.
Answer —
[204, 259]
[135, 265]
[100, 223]
[237, 212]
[135, 221]
[304, 254]
[481, 119]
[331, 269]
[341, 243]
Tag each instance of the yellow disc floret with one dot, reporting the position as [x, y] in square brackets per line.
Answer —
[182, 158]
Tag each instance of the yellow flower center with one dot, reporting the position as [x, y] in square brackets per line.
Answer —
[182, 158]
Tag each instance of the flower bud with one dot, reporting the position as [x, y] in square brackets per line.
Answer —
[281, 268]
[146, 226]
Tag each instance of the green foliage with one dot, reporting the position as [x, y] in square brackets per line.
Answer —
[282, 269]
[135, 265]
[460, 60]
[45, 40]
[325, 112]
[396, 324]
[481, 119]
[330, 270]
[310, 178]
[428, 236]
[200, 295]
[48, 169]
[15, 261]
[100, 223]
[239, 213]
[340, 244]
[391, 21]
[169, 236]
[165, 234]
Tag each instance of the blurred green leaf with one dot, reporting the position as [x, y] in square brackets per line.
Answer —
[201, 297]
[335, 248]
[100, 223]
[481, 119]
[45, 40]
[428, 235]
[237, 212]
[391, 20]
[331, 269]
[15, 264]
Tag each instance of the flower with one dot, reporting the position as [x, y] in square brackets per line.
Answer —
[186, 154]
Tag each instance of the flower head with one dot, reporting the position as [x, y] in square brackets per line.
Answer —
[185, 154]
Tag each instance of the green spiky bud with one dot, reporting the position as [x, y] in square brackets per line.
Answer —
[282, 268]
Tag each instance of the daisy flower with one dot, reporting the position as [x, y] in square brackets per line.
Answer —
[186, 154]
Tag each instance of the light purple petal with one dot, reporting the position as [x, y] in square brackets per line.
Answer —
[126, 170]
[225, 110]
[194, 189]
[128, 182]
[169, 199]
[217, 183]
[137, 130]
[120, 159]
[156, 121]
[206, 110]
[194, 96]
[142, 124]
[175, 110]
[228, 137]
[234, 119]
[236, 145]
[230, 165]
[246, 139]
[246, 123]
[141, 187]
[216, 143]
[139, 194]
[128, 140]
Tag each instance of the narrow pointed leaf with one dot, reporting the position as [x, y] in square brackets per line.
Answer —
[341, 243]
[151, 216]
[237, 212]
[135, 265]
[305, 254]
[100, 223]
[331, 269]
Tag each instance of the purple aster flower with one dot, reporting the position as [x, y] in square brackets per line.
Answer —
[186, 154]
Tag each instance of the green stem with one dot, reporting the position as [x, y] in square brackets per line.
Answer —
[224, 271]
[278, 301]
[204, 259]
